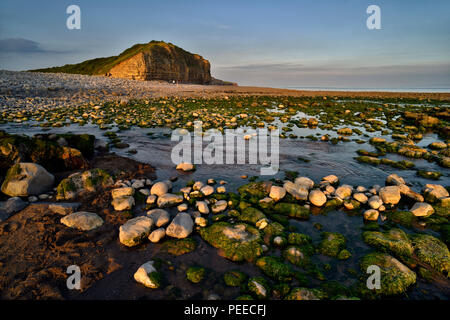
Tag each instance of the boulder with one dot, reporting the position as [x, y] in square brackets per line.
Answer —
[305, 182]
[298, 192]
[238, 242]
[24, 179]
[434, 192]
[317, 198]
[395, 180]
[148, 275]
[84, 182]
[160, 217]
[375, 202]
[395, 278]
[169, 200]
[82, 220]
[135, 230]
[64, 208]
[422, 209]
[185, 167]
[11, 206]
[181, 226]
[331, 179]
[157, 235]
[390, 195]
[159, 188]
[361, 197]
[207, 190]
[219, 206]
[277, 193]
[344, 191]
[122, 192]
[202, 207]
[123, 203]
[371, 215]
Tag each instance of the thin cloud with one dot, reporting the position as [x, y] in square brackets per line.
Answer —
[20, 45]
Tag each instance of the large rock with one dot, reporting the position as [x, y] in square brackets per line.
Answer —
[371, 215]
[317, 198]
[84, 182]
[122, 192]
[160, 217]
[160, 188]
[434, 192]
[24, 179]
[394, 180]
[277, 193]
[390, 195]
[185, 166]
[82, 220]
[64, 208]
[157, 235]
[239, 242]
[135, 230]
[422, 209]
[169, 200]
[219, 206]
[432, 251]
[148, 275]
[11, 206]
[305, 182]
[123, 203]
[297, 191]
[181, 226]
[344, 191]
[394, 241]
[395, 278]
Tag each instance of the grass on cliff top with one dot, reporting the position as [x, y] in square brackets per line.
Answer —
[101, 66]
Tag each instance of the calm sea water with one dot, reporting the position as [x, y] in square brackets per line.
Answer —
[426, 90]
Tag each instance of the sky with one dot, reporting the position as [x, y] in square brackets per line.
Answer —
[277, 43]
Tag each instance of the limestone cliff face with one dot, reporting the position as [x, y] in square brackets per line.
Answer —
[163, 61]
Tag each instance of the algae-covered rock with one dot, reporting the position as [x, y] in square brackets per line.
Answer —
[135, 230]
[78, 183]
[299, 239]
[395, 277]
[394, 241]
[234, 278]
[148, 275]
[179, 247]
[292, 210]
[257, 189]
[195, 274]
[275, 268]
[332, 243]
[432, 251]
[253, 216]
[404, 218]
[298, 256]
[24, 179]
[305, 294]
[259, 287]
[237, 242]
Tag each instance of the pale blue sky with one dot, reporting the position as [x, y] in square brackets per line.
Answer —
[270, 43]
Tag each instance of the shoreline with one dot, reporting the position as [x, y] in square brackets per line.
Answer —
[157, 89]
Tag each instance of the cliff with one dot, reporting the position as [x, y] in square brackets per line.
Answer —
[156, 60]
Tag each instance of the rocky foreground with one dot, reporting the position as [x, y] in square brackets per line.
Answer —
[94, 213]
